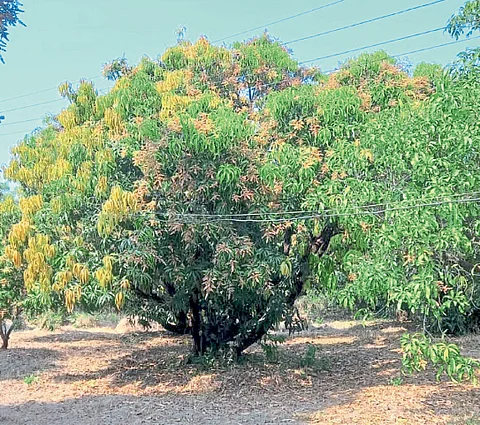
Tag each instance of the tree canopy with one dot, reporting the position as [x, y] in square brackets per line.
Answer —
[208, 190]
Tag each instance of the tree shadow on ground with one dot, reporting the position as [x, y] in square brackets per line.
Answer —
[165, 410]
[75, 335]
[461, 402]
[160, 363]
[405, 404]
[17, 363]
[349, 381]
[223, 409]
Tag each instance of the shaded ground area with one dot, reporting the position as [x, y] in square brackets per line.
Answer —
[100, 376]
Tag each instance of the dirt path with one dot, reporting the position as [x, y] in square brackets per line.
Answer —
[98, 377]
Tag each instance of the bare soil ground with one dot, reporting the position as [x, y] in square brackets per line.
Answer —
[101, 376]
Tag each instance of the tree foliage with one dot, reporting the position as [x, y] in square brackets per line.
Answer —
[9, 11]
[11, 283]
[208, 190]
[466, 21]
[419, 351]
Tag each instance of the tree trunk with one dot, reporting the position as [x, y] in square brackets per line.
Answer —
[252, 337]
[5, 334]
[197, 334]
[318, 246]
[209, 331]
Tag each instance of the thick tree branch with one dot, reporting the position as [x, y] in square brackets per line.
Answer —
[287, 240]
[318, 246]
[181, 326]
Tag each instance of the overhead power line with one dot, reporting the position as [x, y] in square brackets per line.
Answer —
[293, 41]
[437, 198]
[260, 27]
[424, 49]
[399, 55]
[367, 21]
[21, 122]
[28, 94]
[411, 52]
[382, 43]
[311, 215]
[39, 92]
[269, 24]
[14, 133]
[31, 106]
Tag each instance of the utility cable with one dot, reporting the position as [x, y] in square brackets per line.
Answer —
[314, 216]
[367, 21]
[329, 213]
[279, 21]
[40, 91]
[394, 40]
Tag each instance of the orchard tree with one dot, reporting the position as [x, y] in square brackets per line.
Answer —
[207, 191]
[11, 284]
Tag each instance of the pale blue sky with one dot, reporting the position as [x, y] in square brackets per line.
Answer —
[71, 39]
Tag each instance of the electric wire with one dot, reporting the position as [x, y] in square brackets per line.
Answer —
[280, 20]
[32, 106]
[382, 209]
[411, 52]
[382, 43]
[367, 21]
[40, 91]
[268, 213]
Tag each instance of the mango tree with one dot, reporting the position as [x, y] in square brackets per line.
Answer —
[208, 190]
[11, 285]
